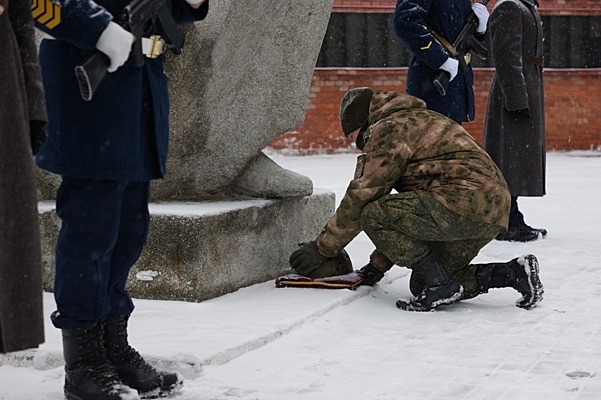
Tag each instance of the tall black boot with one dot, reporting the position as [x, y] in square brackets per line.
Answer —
[132, 368]
[439, 288]
[88, 373]
[521, 273]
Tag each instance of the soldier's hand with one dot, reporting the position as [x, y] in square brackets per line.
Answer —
[306, 259]
[116, 43]
[37, 132]
[371, 275]
[482, 14]
[451, 66]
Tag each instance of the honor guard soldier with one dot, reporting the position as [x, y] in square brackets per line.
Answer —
[427, 28]
[106, 148]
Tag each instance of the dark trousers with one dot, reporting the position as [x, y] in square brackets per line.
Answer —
[104, 229]
[516, 218]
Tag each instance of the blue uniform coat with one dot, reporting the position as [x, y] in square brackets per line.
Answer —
[122, 133]
[411, 21]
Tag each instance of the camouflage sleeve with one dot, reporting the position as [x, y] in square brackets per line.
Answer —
[377, 171]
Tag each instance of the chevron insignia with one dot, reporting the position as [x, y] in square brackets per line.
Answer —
[427, 46]
[46, 13]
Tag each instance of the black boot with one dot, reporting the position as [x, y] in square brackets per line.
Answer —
[88, 373]
[519, 230]
[439, 288]
[521, 273]
[132, 368]
[518, 234]
[542, 232]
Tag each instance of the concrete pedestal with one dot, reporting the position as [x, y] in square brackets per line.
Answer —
[201, 250]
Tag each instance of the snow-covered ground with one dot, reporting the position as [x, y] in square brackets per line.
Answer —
[269, 343]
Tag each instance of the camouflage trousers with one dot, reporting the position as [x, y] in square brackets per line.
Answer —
[404, 227]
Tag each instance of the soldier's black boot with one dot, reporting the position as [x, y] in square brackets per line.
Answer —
[132, 368]
[439, 288]
[521, 273]
[88, 373]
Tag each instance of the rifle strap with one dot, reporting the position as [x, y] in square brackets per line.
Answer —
[173, 36]
[444, 42]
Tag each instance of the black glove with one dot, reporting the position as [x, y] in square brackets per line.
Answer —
[523, 113]
[372, 275]
[37, 132]
[306, 259]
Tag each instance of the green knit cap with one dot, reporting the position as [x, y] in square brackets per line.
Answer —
[354, 109]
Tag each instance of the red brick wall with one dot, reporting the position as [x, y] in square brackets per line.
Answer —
[573, 120]
[552, 7]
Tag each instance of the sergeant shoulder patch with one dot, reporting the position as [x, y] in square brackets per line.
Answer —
[360, 165]
[46, 13]
[426, 47]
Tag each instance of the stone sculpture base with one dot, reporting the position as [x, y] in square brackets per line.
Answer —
[201, 250]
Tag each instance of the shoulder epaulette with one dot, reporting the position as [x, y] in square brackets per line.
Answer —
[46, 13]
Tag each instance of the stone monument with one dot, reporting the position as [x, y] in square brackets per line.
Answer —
[226, 215]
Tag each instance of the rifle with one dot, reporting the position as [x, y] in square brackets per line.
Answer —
[133, 17]
[462, 45]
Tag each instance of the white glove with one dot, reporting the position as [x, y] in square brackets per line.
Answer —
[116, 43]
[451, 66]
[195, 3]
[482, 14]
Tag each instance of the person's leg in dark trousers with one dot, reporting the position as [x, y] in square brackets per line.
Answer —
[132, 234]
[90, 211]
[130, 365]
[518, 230]
[91, 215]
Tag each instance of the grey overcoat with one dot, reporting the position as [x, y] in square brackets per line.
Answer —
[21, 100]
[517, 143]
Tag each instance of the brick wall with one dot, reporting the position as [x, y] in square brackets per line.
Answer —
[573, 121]
[553, 7]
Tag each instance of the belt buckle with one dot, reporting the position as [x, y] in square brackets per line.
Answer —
[156, 46]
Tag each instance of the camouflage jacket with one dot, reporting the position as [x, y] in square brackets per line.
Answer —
[409, 147]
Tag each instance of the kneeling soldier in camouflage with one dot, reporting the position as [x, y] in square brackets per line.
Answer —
[450, 200]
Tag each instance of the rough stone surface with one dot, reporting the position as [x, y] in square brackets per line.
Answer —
[244, 79]
[194, 253]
